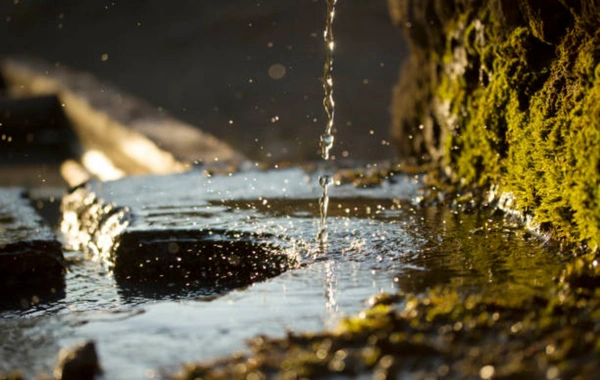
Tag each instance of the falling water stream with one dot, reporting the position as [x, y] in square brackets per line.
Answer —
[326, 140]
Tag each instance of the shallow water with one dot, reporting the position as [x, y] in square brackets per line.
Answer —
[380, 240]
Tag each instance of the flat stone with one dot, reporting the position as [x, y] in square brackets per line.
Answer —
[30, 255]
[217, 230]
[183, 227]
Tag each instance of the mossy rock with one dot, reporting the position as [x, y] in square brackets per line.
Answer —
[505, 96]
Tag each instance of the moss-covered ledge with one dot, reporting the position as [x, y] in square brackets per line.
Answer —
[505, 96]
[445, 333]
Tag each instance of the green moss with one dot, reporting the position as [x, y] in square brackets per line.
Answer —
[554, 159]
[523, 115]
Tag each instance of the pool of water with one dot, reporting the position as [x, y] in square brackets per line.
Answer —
[380, 240]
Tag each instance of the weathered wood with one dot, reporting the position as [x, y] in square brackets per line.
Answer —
[30, 255]
[136, 137]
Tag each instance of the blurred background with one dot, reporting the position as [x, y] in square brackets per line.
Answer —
[249, 72]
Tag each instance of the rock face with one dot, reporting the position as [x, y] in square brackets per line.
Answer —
[29, 253]
[505, 95]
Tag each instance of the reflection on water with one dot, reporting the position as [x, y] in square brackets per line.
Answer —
[377, 243]
[474, 250]
[331, 285]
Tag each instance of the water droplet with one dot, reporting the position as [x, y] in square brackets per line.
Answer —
[327, 139]
[326, 180]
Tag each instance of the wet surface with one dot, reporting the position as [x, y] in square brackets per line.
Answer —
[380, 240]
[29, 251]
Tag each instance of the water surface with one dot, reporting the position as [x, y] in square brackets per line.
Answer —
[380, 240]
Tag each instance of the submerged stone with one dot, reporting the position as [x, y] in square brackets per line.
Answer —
[30, 255]
[208, 256]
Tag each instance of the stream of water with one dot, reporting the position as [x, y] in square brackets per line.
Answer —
[327, 138]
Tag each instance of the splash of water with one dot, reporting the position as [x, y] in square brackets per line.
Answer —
[326, 139]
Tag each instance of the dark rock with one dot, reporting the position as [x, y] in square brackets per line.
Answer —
[78, 363]
[181, 228]
[30, 255]
[211, 257]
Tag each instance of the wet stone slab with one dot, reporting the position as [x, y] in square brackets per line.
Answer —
[186, 227]
[30, 255]
[196, 228]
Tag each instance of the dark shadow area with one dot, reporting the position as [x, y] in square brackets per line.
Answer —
[32, 297]
[35, 138]
[211, 258]
[247, 72]
[133, 292]
[2, 86]
[35, 130]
